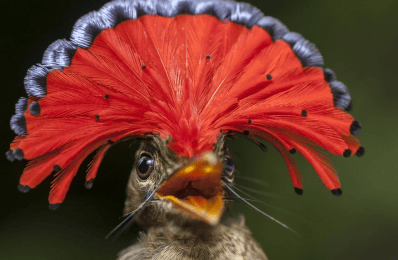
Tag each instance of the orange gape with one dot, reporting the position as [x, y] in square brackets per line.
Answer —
[188, 77]
[202, 179]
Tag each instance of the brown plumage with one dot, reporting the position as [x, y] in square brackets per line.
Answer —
[231, 240]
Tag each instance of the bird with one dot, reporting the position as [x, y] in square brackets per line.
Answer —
[181, 77]
[193, 186]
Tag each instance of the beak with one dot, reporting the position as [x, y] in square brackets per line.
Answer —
[196, 189]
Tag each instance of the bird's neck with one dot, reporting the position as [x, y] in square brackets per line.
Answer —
[230, 240]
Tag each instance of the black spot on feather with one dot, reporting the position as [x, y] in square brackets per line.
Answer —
[347, 153]
[54, 206]
[35, 109]
[18, 154]
[89, 184]
[337, 192]
[360, 152]
[23, 188]
[57, 168]
[298, 191]
[10, 156]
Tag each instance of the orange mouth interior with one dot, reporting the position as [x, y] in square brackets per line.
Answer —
[196, 189]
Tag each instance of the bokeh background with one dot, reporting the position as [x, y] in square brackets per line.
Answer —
[358, 40]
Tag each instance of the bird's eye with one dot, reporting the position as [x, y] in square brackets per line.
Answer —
[228, 166]
[145, 166]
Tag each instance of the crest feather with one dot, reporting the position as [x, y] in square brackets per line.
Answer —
[187, 77]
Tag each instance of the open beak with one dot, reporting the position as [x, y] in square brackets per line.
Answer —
[196, 189]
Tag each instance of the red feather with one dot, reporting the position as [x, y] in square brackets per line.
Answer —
[187, 77]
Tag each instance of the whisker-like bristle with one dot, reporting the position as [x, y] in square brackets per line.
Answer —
[131, 214]
[234, 198]
[247, 194]
[268, 205]
[253, 180]
[261, 202]
[123, 229]
[263, 193]
[257, 209]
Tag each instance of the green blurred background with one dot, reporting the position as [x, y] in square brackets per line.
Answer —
[358, 40]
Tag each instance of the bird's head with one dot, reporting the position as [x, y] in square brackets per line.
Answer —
[177, 188]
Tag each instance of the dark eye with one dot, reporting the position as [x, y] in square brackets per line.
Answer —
[228, 166]
[144, 166]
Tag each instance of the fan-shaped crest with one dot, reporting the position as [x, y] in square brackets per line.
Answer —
[130, 70]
